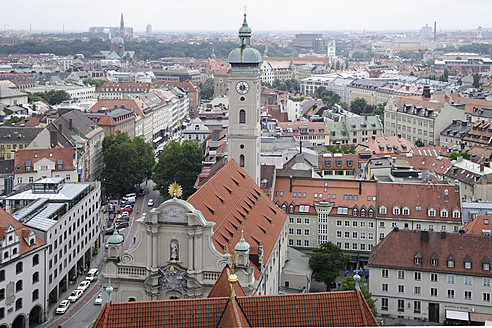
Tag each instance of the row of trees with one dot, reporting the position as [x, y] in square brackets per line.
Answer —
[290, 85]
[130, 162]
[52, 97]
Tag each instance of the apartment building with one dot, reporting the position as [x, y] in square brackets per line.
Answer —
[22, 274]
[433, 276]
[475, 180]
[360, 128]
[453, 134]
[67, 217]
[13, 138]
[314, 132]
[435, 207]
[276, 70]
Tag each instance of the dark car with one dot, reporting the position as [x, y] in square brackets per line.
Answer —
[109, 231]
[141, 192]
[122, 224]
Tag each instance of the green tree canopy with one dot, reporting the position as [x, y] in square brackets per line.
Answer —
[13, 120]
[207, 89]
[453, 155]
[360, 106]
[328, 97]
[343, 149]
[326, 261]
[290, 85]
[349, 284]
[419, 143]
[476, 81]
[178, 162]
[96, 83]
[127, 162]
[52, 97]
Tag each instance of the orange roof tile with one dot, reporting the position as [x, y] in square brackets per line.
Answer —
[234, 202]
[53, 154]
[7, 220]
[478, 225]
[222, 286]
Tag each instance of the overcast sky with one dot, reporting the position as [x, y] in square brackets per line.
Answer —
[263, 15]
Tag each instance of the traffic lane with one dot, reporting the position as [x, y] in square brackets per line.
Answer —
[86, 315]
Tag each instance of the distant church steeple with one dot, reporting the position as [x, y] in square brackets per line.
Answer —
[122, 27]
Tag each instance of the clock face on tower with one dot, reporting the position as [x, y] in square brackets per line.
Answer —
[242, 87]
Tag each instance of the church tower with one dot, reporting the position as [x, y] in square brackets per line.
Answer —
[122, 27]
[243, 137]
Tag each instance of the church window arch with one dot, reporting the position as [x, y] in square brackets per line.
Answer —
[242, 116]
[241, 160]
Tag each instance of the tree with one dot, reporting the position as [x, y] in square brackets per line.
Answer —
[13, 120]
[343, 149]
[476, 81]
[207, 89]
[326, 261]
[349, 284]
[51, 97]
[453, 155]
[419, 143]
[127, 163]
[96, 83]
[178, 162]
[346, 65]
[358, 106]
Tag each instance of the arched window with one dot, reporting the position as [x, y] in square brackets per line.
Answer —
[35, 277]
[284, 207]
[363, 212]
[132, 299]
[18, 268]
[450, 260]
[35, 260]
[197, 127]
[417, 258]
[35, 294]
[434, 260]
[355, 211]
[371, 212]
[241, 160]
[292, 207]
[242, 116]
[18, 286]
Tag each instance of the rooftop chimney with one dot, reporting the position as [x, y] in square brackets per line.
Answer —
[60, 127]
[70, 124]
[290, 184]
[482, 167]
[426, 93]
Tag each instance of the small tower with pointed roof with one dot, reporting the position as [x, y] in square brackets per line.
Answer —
[122, 27]
[115, 246]
[242, 252]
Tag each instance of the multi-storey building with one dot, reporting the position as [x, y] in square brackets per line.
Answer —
[341, 166]
[434, 276]
[67, 217]
[276, 70]
[121, 90]
[76, 92]
[22, 274]
[31, 165]
[453, 134]
[421, 118]
[320, 210]
[475, 180]
[314, 132]
[112, 120]
[424, 207]
[361, 128]
[480, 134]
[13, 138]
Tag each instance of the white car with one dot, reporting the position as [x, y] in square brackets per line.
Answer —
[151, 202]
[84, 285]
[75, 295]
[99, 299]
[63, 307]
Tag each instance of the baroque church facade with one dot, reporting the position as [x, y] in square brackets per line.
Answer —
[184, 245]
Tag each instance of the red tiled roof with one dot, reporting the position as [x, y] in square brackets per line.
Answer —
[312, 128]
[7, 220]
[321, 188]
[482, 154]
[344, 160]
[222, 286]
[386, 145]
[424, 195]
[481, 132]
[53, 154]
[478, 225]
[333, 309]
[398, 249]
[234, 202]
[137, 105]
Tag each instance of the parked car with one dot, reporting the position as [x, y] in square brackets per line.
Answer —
[150, 202]
[141, 192]
[84, 285]
[122, 224]
[92, 274]
[123, 219]
[63, 307]
[123, 212]
[75, 295]
[99, 299]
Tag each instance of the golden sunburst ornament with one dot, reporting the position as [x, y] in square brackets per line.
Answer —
[175, 190]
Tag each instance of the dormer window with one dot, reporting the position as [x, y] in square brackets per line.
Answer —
[434, 261]
[450, 261]
[485, 264]
[406, 211]
[468, 263]
[363, 212]
[371, 212]
[417, 259]
[382, 210]
[292, 207]
[456, 214]
[431, 212]
[355, 211]
[396, 210]
[444, 213]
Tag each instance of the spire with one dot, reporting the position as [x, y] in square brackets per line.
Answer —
[122, 27]
[109, 290]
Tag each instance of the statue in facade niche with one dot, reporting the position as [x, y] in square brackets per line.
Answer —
[174, 250]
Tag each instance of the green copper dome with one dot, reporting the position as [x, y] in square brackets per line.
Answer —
[242, 245]
[245, 55]
[115, 238]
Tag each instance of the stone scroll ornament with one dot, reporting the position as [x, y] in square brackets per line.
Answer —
[172, 279]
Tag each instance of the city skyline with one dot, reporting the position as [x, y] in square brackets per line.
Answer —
[263, 16]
